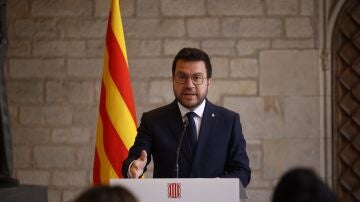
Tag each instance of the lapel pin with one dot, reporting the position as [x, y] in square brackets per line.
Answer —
[213, 115]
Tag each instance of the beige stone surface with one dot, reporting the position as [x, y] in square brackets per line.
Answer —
[199, 27]
[302, 117]
[82, 28]
[39, 28]
[54, 195]
[95, 47]
[30, 135]
[84, 68]
[22, 157]
[249, 47]
[259, 195]
[150, 48]
[36, 68]
[255, 155]
[101, 7]
[298, 27]
[244, 68]
[264, 27]
[54, 157]
[274, 117]
[183, 8]
[127, 7]
[75, 135]
[216, 91]
[63, 8]
[266, 68]
[18, 8]
[45, 115]
[307, 7]
[59, 48]
[80, 92]
[19, 48]
[34, 177]
[172, 46]
[235, 7]
[289, 72]
[148, 8]
[140, 89]
[258, 182]
[220, 67]
[72, 91]
[149, 28]
[150, 68]
[290, 44]
[85, 115]
[283, 154]
[132, 47]
[219, 47]
[70, 178]
[25, 91]
[161, 92]
[261, 117]
[85, 155]
[13, 115]
[282, 7]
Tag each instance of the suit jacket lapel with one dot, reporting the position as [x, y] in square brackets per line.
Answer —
[175, 120]
[207, 124]
[177, 127]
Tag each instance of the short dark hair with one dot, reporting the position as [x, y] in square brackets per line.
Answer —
[193, 54]
[302, 185]
[105, 193]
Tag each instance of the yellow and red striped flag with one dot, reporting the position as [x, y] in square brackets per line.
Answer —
[116, 129]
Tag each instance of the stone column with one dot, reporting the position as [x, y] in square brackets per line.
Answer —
[5, 135]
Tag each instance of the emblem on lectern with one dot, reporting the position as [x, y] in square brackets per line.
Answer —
[174, 190]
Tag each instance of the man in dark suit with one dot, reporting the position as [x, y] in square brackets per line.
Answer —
[213, 144]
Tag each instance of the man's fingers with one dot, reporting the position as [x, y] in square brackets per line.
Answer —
[135, 171]
[137, 167]
[143, 156]
[140, 163]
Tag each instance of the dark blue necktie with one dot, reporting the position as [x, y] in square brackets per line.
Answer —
[191, 131]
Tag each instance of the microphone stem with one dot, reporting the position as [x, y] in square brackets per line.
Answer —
[179, 148]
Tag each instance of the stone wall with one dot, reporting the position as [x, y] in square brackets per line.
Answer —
[266, 67]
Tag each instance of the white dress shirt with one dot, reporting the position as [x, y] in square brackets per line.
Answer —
[199, 111]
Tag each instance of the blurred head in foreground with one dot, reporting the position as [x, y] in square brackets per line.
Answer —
[302, 185]
[106, 194]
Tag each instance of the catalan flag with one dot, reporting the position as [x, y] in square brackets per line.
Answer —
[116, 127]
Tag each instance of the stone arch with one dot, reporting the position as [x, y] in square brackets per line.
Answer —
[341, 67]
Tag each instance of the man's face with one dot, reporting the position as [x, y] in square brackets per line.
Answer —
[190, 95]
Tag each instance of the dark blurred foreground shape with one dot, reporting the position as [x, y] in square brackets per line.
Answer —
[302, 185]
[104, 193]
[5, 135]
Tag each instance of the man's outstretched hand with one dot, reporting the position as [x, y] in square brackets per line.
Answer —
[137, 167]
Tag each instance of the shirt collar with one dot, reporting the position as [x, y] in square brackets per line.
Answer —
[199, 111]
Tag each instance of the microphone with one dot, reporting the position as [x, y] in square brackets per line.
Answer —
[186, 123]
